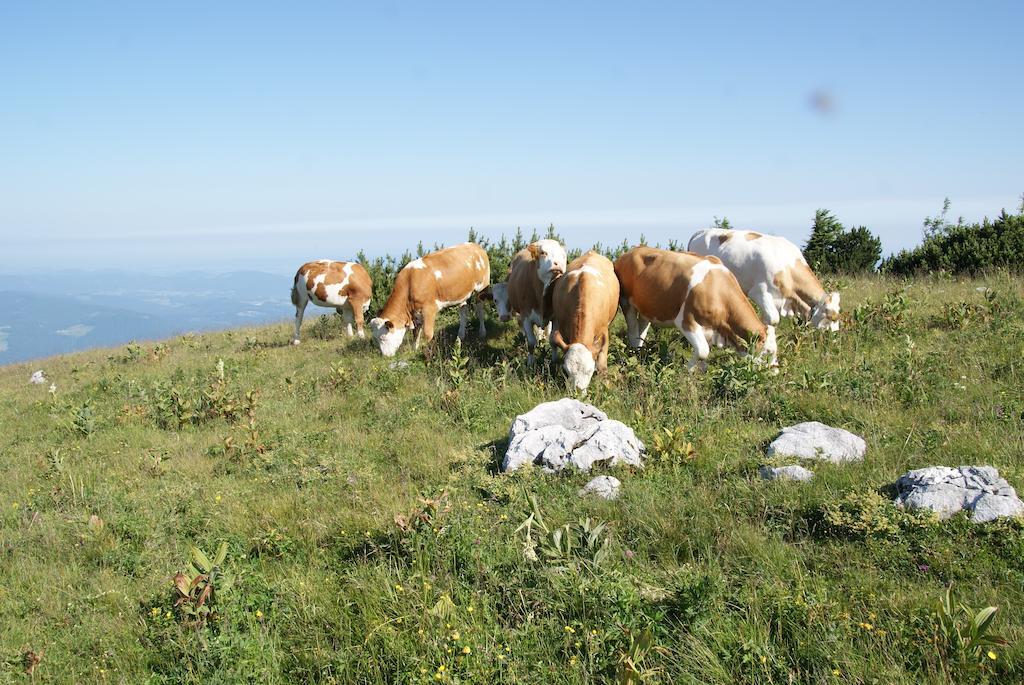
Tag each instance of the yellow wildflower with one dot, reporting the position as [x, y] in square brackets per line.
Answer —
[399, 588]
[470, 608]
[466, 650]
[440, 669]
[764, 659]
[992, 655]
[570, 629]
[455, 636]
[155, 611]
[167, 615]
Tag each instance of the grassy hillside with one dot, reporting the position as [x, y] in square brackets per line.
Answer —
[370, 538]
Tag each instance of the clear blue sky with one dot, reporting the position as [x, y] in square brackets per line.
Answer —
[259, 134]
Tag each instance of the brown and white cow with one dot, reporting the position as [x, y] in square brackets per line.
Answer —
[696, 294]
[531, 272]
[425, 286]
[344, 286]
[773, 273]
[582, 305]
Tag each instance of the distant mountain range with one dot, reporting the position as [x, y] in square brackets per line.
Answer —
[46, 313]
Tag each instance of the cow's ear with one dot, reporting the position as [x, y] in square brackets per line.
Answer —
[534, 249]
[485, 294]
[389, 324]
[556, 337]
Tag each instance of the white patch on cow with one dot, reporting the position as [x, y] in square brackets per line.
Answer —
[417, 263]
[437, 274]
[585, 269]
[441, 304]
[388, 340]
[700, 272]
[579, 365]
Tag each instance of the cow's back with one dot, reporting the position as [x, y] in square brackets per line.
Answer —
[445, 277]
[586, 297]
[655, 281]
[753, 257]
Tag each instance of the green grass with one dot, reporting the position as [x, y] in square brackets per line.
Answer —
[709, 575]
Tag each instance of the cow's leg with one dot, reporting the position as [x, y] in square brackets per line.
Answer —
[426, 330]
[698, 340]
[300, 309]
[602, 354]
[480, 315]
[633, 338]
[531, 339]
[765, 301]
[463, 320]
[358, 307]
[645, 327]
[346, 315]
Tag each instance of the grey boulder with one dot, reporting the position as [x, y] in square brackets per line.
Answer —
[815, 440]
[37, 378]
[945, 490]
[793, 472]
[605, 487]
[567, 432]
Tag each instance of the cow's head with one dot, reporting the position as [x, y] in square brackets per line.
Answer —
[551, 259]
[579, 365]
[498, 293]
[386, 335]
[825, 314]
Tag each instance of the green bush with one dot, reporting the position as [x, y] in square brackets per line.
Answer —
[964, 248]
[833, 249]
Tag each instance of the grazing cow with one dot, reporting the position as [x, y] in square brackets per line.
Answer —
[773, 273]
[425, 286]
[345, 286]
[532, 271]
[696, 294]
[582, 304]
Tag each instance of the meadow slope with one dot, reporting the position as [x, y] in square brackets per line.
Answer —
[370, 538]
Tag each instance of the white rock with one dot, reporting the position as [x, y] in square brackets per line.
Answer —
[815, 440]
[38, 378]
[402, 364]
[568, 432]
[793, 472]
[605, 487]
[945, 490]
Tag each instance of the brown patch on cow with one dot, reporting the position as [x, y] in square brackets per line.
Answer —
[724, 237]
[583, 305]
[800, 287]
[753, 235]
[321, 292]
[657, 284]
[417, 291]
[525, 289]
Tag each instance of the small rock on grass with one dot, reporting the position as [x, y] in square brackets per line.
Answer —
[793, 472]
[815, 440]
[977, 489]
[605, 487]
[37, 378]
[567, 432]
